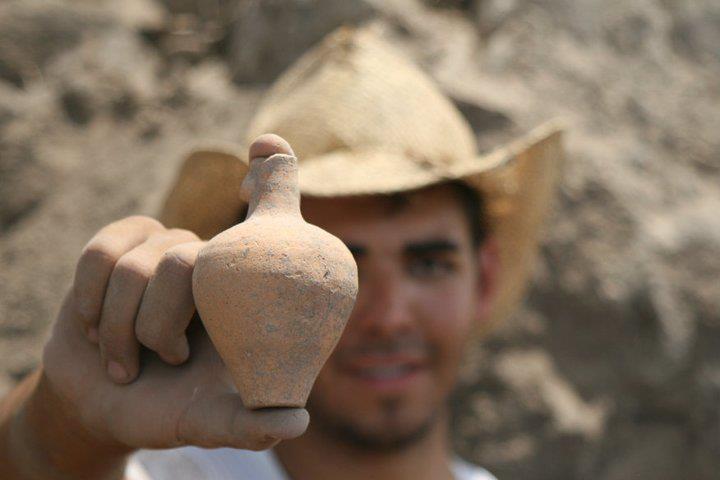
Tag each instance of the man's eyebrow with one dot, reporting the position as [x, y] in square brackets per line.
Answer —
[431, 246]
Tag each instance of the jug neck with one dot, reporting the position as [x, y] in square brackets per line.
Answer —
[271, 186]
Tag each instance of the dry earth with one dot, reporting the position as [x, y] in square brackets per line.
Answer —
[612, 369]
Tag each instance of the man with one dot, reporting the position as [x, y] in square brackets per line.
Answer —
[442, 239]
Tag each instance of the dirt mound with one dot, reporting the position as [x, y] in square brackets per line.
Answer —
[612, 368]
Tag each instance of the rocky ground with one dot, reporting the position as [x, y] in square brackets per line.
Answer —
[611, 370]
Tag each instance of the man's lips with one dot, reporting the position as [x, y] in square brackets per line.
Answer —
[384, 370]
[383, 360]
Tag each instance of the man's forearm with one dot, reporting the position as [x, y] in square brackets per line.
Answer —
[40, 440]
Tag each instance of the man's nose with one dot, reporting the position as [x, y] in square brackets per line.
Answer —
[383, 307]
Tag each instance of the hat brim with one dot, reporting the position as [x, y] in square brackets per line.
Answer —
[517, 182]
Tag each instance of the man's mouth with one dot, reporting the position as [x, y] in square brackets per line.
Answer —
[385, 366]
[387, 372]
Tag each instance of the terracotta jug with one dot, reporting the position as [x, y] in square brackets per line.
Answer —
[274, 292]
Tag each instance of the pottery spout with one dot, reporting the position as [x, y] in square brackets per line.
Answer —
[271, 186]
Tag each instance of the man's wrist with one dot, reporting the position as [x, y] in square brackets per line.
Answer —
[40, 440]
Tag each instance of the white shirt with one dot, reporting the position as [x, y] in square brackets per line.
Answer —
[192, 463]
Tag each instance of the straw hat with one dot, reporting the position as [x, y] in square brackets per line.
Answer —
[362, 120]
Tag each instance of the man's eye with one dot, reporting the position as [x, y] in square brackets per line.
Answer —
[430, 267]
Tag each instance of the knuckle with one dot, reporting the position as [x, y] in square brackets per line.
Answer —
[254, 432]
[100, 252]
[144, 221]
[133, 268]
[87, 309]
[183, 234]
[179, 259]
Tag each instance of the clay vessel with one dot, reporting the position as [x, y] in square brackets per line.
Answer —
[274, 292]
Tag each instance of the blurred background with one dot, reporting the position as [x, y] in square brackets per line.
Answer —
[610, 371]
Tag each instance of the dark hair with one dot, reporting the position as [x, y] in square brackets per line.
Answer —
[473, 205]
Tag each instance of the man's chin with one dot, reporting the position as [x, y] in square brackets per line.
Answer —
[386, 435]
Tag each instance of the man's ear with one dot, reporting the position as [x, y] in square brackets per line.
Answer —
[488, 258]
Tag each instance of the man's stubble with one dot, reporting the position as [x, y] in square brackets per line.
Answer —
[347, 432]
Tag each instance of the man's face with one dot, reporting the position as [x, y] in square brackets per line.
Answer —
[388, 380]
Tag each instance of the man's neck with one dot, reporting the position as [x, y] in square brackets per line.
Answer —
[318, 456]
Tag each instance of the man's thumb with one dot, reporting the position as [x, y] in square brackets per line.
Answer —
[223, 421]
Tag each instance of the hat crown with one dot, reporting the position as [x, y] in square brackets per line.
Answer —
[353, 93]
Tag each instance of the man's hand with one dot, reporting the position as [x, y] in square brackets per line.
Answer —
[129, 366]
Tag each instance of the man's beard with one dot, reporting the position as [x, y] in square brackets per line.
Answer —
[344, 429]
[350, 434]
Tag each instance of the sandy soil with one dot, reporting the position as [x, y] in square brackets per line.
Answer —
[612, 368]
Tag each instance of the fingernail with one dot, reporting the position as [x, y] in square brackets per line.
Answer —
[116, 371]
[92, 334]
